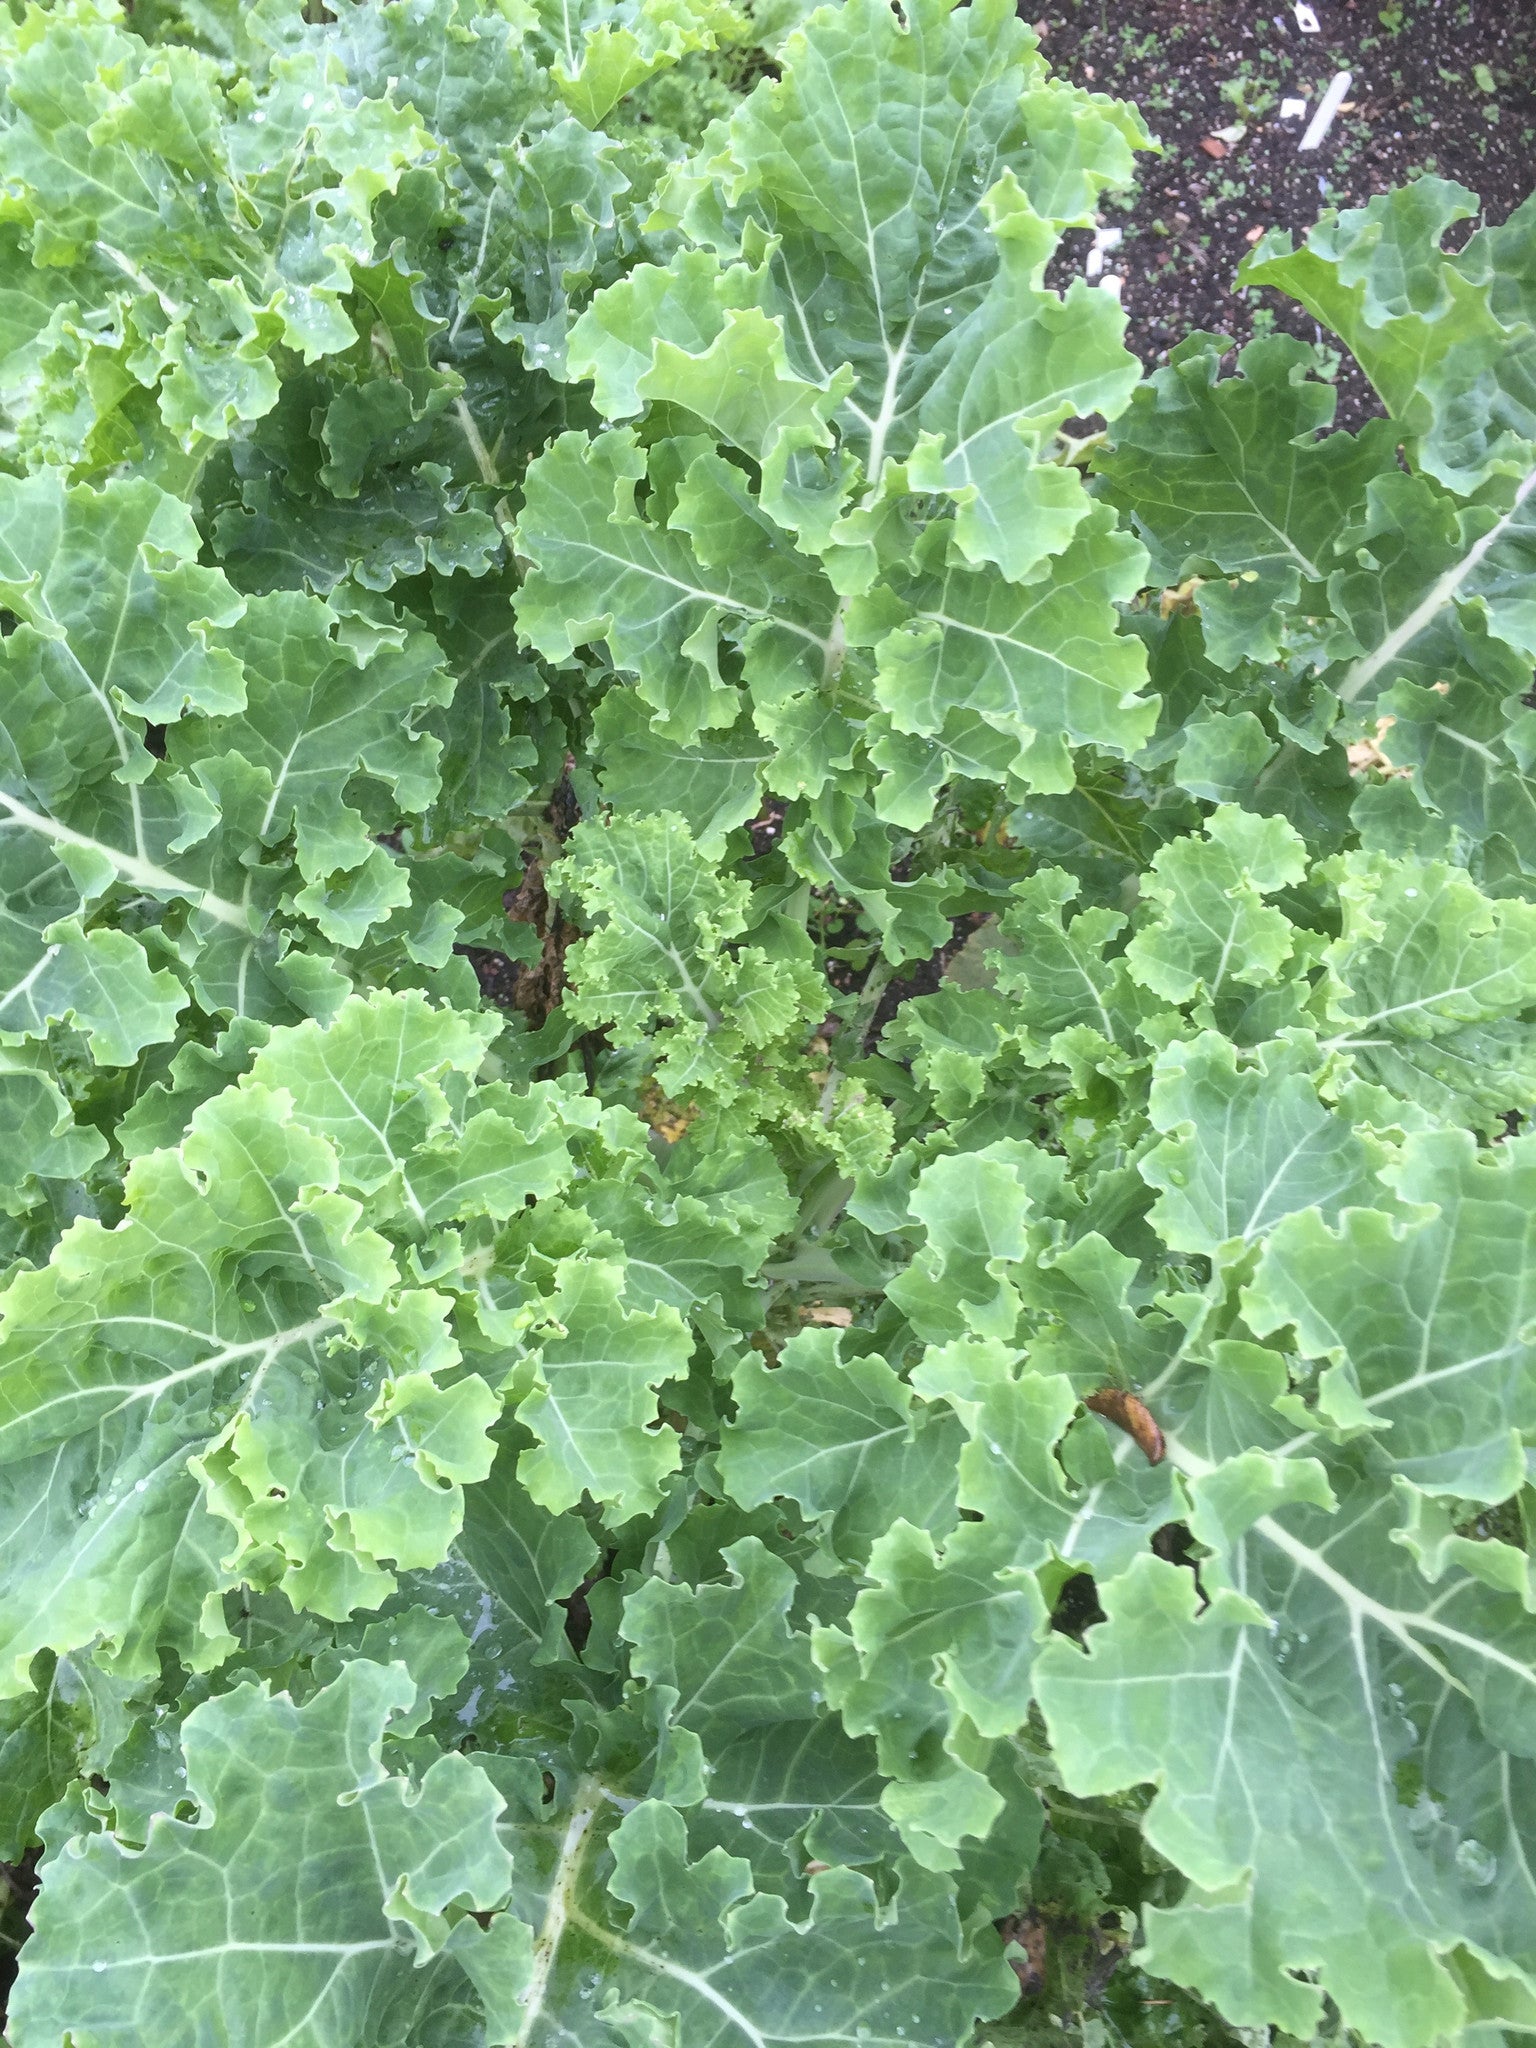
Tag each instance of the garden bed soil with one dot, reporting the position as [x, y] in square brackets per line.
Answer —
[1447, 86]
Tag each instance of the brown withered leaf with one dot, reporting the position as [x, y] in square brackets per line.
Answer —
[670, 1119]
[541, 983]
[1026, 1931]
[1128, 1412]
[1368, 756]
[1179, 598]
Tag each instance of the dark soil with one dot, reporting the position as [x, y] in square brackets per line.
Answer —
[1447, 86]
[18, 1889]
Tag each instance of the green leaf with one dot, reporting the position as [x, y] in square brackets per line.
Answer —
[1042, 665]
[940, 1644]
[1429, 981]
[39, 1138]
[841, 1439]
[700, 1954]
[159, 1382]
[510, 1567]
[1058, 974]
[1469, 762]
[605, 54]
[46, 1738]
[1211, 926]
[1003, 383]
[132, 156]
[1438, 589]
[320, 1918]
[742, 388]
[117, 617]
[99, 980]
[310, 725]
[881, 247]
[714, 785]
[975, 1209]
[1423, 1323]
[1250, 1144]
[912, 917]
[1262, 1735]
[727, 1653]
[1228, 474]
[1425, 328]
[372, 1083]
[681, 307]
[665, 594]
[596, 1365]
[269, 724]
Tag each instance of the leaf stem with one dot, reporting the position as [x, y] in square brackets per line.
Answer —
[483, 459]
[1440, 593]
[876, 982]
[144, 872]
[587, 1804]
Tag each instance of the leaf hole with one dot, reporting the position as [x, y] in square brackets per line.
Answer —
[1077, 1606]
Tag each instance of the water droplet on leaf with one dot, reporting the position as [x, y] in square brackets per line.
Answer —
[1477, 1864]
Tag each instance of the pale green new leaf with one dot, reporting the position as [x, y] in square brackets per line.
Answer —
[659, 954]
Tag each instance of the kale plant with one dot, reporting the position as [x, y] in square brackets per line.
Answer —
[769, 1276]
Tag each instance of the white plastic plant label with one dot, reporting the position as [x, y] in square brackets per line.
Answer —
[1331, 101]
